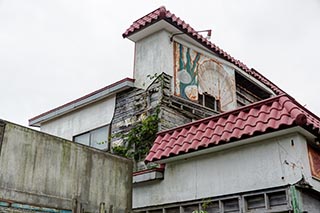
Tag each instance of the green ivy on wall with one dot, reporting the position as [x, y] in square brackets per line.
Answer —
[138, 141]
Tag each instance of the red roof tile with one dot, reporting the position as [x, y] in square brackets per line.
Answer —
[265, 116]
[163, 14]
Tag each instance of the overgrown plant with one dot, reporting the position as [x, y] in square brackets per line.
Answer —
[199, 211]
[204, 206]
[138, 141]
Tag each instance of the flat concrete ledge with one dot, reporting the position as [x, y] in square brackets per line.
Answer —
[148, 175]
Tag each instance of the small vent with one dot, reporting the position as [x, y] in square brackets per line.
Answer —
[190, 209]
[155, 211]
[277, 198]
[173, 210]
[231, 205]
[255, 202]
[212, 207]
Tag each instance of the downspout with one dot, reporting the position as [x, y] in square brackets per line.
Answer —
[295, 199]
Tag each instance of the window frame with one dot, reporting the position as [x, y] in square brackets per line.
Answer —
[204, 100]
[90, 132]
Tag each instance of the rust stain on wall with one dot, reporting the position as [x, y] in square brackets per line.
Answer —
[314, 159]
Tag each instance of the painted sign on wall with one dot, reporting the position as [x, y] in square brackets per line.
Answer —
[314, 159]
[197, 74]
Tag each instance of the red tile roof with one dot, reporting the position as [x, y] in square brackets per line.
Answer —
[163, 14]
[262, 117]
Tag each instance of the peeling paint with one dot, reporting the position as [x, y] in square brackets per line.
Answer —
[27, 207]
[197, 74]
[314, 160]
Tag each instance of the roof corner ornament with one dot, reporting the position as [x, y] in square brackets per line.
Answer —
[163, 12]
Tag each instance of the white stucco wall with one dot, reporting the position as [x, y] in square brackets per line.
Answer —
[259, 165]
[87, 118]
[153, 54]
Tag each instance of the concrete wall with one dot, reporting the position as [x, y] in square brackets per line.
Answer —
[309, 202]
[87, 118]
[260, 165]
[153, 54]
[44, 170]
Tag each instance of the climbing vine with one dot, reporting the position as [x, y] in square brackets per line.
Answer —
[138, 141]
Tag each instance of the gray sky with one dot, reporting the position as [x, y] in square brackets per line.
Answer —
[54, 51]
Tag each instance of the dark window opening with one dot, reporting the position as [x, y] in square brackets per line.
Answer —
[209, 101]
[248, 92]
[256, 202]
[231, 205]
[277, 198]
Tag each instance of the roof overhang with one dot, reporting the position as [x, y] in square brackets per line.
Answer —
[159, 25]
[254, 139]
[95, 96]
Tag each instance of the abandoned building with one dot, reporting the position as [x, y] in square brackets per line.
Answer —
[229, 140]
[44, 173]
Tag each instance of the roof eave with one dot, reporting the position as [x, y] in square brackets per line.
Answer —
[160, 24]
[241, 142]
[81, 102]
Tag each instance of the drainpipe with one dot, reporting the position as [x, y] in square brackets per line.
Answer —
[295, 199]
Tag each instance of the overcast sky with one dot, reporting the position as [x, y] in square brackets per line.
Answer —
[54, 51]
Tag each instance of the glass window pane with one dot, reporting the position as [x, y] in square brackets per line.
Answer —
[82, 139]
[99, 138]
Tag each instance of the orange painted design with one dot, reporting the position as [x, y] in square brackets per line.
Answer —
[314, 158]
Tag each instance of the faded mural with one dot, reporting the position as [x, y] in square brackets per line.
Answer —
[314, 159]
[196, 74]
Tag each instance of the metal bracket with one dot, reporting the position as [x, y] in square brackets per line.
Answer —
[200, 31]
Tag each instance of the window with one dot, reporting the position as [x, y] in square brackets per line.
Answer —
[97, 138]
[271, 200]
[256, 202]
[275, 200]
[209, 101]
[248, 92]
[191, 208]
[231, 205]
